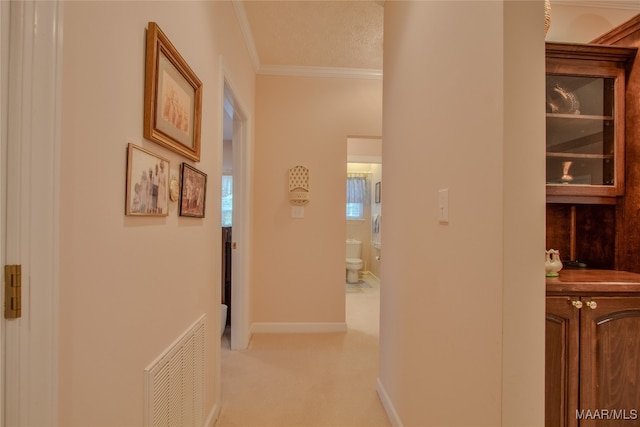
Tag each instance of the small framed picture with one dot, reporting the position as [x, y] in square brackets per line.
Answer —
[192, 192]
[147, 183]
[172, 97]
[378, 184]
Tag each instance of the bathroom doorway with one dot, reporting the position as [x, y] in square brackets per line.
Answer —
[235, 219]
[363, 216]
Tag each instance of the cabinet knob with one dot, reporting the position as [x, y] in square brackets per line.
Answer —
[577, 304]
[592, 304]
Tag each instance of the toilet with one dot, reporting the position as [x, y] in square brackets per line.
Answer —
[354, 262]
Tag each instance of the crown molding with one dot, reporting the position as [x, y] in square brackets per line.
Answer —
[283, 70]
[302, 71]
[241, 14]
[604, 4]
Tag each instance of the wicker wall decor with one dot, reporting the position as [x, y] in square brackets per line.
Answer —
[299, 193]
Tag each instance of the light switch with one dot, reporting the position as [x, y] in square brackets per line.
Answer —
[297, 211]
[443, 206]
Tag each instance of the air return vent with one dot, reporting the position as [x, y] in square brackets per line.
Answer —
[174, 383]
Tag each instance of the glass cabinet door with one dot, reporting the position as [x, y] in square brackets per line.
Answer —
[581, 139]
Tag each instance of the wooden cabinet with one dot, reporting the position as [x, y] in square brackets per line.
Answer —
[585, 150]
[561, 362]
[610, 359]
[627, 218]
[592, 349]
[585, 122]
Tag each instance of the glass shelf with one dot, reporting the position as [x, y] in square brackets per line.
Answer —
[580, 133]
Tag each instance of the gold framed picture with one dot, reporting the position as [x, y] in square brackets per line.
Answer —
[147, 183]
[172, 97]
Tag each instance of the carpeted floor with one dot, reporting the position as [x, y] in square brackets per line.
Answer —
[307, 380]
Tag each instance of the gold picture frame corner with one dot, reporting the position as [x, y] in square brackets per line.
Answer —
[172, 97]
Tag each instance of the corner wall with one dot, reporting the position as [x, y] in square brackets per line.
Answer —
[129, 286]
[524, 209]
[450, 351]
[299, 263]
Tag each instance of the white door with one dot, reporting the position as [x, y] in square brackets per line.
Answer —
[4, 62]
[30, 152]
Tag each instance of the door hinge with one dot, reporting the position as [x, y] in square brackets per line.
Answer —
[12, 291]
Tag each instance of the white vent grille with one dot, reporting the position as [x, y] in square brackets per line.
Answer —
[174, 383]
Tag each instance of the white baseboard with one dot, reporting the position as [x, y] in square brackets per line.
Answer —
[213, 416]
[372, 276]
[393, 416]
[297, 327]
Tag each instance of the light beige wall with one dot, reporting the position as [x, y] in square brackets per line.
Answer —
[581, 24]
[524, 218]
[299, 267]
[364, 149]
[444, 360]
[227, 156]
[129, 286]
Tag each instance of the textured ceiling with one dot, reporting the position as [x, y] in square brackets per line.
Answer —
[334, 34]
[309, 37]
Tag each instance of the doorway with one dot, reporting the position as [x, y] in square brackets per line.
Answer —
[236, 181]
[226, 215]
[364, 222]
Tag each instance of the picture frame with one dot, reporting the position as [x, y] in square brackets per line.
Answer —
[147, 192]
[193, 192]
[377, 191]
[172, 97]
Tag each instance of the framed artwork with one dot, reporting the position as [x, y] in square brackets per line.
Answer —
[193, 192]
[172, 97]
[378, 185]
[147, 183]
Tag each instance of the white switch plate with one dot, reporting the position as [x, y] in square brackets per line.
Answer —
[297, 211]
[443, 206]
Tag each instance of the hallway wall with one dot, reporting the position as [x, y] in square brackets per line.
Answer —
[456, 347]
[299, 270]
[129, 286]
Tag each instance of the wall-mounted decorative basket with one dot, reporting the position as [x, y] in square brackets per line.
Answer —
[299, 193]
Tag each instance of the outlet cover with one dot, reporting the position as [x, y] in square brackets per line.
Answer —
[297, 211]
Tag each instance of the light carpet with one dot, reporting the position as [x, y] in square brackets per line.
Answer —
[307, 380]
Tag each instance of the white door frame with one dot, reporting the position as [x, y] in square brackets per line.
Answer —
[241, 255]
[32, 200]
[4, 84]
